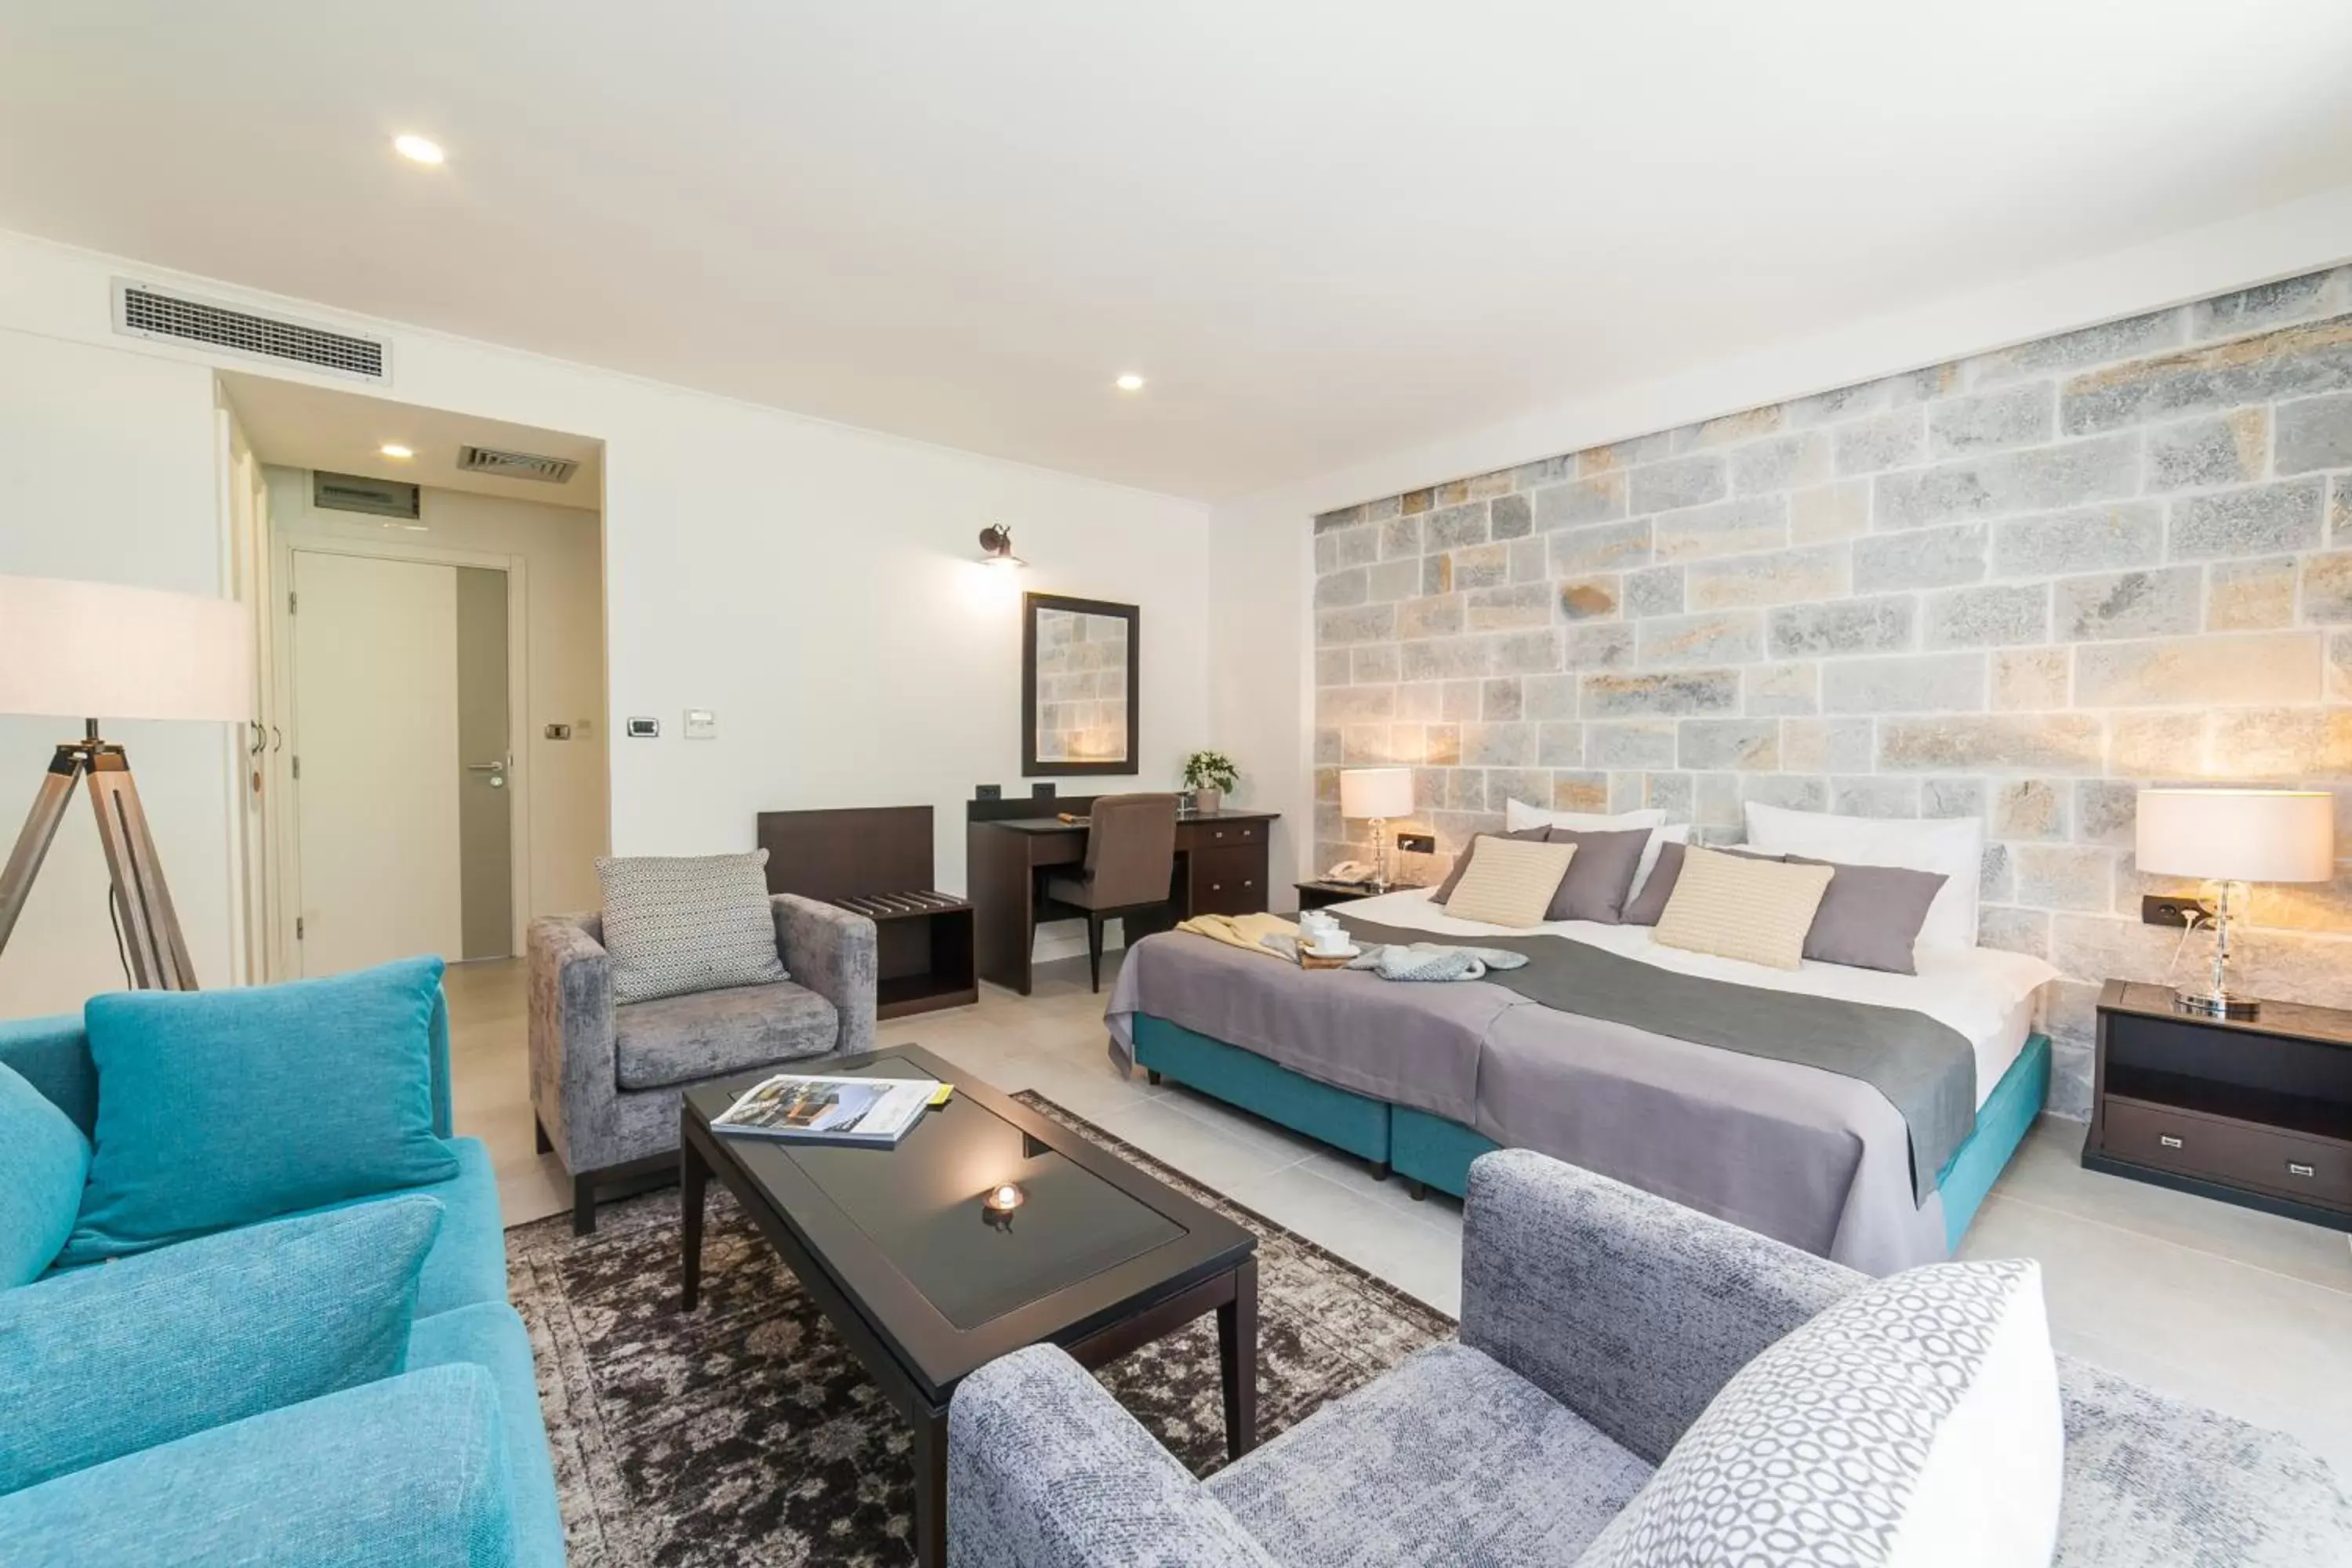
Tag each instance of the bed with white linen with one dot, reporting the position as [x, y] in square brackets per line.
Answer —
[1423, 1077]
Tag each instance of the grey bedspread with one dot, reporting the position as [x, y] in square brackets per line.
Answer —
[1926, 1069]
[1809, 1156]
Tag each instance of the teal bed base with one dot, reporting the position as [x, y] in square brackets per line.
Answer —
[1436, 1152]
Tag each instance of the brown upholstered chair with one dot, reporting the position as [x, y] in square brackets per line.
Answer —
[1130, 863]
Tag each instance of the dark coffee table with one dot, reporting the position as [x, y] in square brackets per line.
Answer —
[927, 1285]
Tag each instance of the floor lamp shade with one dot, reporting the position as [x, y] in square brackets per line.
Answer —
[99, 650]
[2236, 835]
[1385, 793]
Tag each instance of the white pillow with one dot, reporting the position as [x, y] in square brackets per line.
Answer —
[1518, 814]
[1954, 845]
[1916, 1424]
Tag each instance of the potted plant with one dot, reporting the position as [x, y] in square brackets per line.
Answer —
[1209, 774]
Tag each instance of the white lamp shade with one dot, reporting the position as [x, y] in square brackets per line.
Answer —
[98, 651]
[2237, 834]
[1376, 792]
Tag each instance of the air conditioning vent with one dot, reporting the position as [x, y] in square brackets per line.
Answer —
[143, 312]
[355, 492]
[516, 464]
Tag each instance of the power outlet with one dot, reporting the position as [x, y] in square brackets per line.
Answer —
[1417, 843]
[2172, 909]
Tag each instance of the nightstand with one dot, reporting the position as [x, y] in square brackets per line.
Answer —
[2255, 1111]
[1319, 894]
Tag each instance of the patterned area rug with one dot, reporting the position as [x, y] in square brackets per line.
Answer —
[747, 1435]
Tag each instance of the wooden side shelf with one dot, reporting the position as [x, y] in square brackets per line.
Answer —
[877, 861]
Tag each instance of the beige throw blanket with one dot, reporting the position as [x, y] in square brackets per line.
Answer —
[1247, 932]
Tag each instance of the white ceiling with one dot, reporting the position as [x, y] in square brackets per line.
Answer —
[1323, 229]
[299, 426]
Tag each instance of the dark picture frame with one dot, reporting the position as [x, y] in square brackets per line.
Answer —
[1061, 765]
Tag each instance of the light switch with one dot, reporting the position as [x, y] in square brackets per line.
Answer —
[702, 724]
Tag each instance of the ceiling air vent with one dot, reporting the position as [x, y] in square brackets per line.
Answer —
[516, 464]
[143, 312]
[355, 492]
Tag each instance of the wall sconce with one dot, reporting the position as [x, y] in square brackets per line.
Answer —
[998, 1203]
[996, 546]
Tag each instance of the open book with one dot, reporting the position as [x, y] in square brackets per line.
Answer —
[872, 1111]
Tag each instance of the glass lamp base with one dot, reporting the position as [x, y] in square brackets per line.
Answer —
[2216, 1003]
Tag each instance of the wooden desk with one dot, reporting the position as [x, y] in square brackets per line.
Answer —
[1221, 868]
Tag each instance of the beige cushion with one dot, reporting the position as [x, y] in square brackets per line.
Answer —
[1734, 906]
[1510, 881]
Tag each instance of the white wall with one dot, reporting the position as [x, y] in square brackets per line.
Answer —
[107, 472]
[562, 555]
[813, 585]
[1262, 539]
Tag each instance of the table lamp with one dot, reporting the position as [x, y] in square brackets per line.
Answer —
[2229, 837]
[1380, 793]
[93, 650]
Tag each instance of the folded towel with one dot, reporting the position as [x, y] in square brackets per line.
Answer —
[1251, 934]
[1436, 960]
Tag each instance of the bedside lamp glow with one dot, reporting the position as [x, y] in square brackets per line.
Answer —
[2229, 837]
[1382, 794]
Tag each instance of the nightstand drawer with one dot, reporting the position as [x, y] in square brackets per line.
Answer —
[2244, 1155]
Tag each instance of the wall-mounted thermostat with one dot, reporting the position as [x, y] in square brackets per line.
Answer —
[702, 724]
[644, 728]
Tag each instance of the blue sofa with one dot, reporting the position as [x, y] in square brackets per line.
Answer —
[340, 1477]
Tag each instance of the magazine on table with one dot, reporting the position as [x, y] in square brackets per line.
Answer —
[860, 1111]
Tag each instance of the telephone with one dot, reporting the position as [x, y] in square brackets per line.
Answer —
[1350, 871]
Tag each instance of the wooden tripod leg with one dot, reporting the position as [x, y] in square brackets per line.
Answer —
[32, 844]
[151, 927]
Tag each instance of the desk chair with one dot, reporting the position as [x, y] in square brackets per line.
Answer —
[1130, 864]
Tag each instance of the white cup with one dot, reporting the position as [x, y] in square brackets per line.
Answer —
[1328, 939]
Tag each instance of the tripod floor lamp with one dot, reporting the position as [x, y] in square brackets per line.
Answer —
[90, 650]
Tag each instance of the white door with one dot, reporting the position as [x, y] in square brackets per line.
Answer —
[378, 770]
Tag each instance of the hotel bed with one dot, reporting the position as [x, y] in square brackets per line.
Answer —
[1425, 1077]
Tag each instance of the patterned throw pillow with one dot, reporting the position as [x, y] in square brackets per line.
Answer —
[675, 924]
[1733, 907]
[1510, 881]
[1914, 1424]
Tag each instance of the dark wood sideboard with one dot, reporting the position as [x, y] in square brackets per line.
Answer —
[1010, 846]
[2255, 1111]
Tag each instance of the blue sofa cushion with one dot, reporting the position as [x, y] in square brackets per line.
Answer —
[489, 1334]
[105, 1361]
[53, 1057]
[469, 1264]
[222, 1108]
[410, 1470]
[44, 1159]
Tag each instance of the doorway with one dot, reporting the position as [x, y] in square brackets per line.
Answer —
[402, 758]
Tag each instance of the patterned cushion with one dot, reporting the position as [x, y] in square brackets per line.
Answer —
[1915, 1423]
[1510, 881]
[674, 923]
[1733, 907]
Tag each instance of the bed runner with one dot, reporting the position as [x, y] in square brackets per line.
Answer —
[1926, 1069]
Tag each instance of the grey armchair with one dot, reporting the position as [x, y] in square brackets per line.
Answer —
[606, 1079]
[1598, 1321]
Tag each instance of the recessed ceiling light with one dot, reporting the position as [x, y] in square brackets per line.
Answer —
[1129, 382]
[395, 449]
[423, 150]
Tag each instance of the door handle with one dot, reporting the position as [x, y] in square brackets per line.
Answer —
[497, 772]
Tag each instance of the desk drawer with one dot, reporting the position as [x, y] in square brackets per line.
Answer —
[1229, 881]
[2317, 1171]
[1197, 836]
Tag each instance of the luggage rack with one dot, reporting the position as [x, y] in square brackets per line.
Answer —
[868, 860]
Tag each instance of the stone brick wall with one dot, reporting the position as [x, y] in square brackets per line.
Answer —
[2017, 588]
[1081, 686]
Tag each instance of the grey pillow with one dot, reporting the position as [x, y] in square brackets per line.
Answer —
[1539, 834]
[1871, 915]
[1600, 877]
[1651, 901]
[675, 924]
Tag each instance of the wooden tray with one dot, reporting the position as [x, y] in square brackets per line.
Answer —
[1317, 961]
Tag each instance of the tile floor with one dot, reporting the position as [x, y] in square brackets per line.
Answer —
[2243, 1312]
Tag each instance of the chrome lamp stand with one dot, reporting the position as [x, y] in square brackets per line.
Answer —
[156, 951]
[1379, 883]
[2217, 1000]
